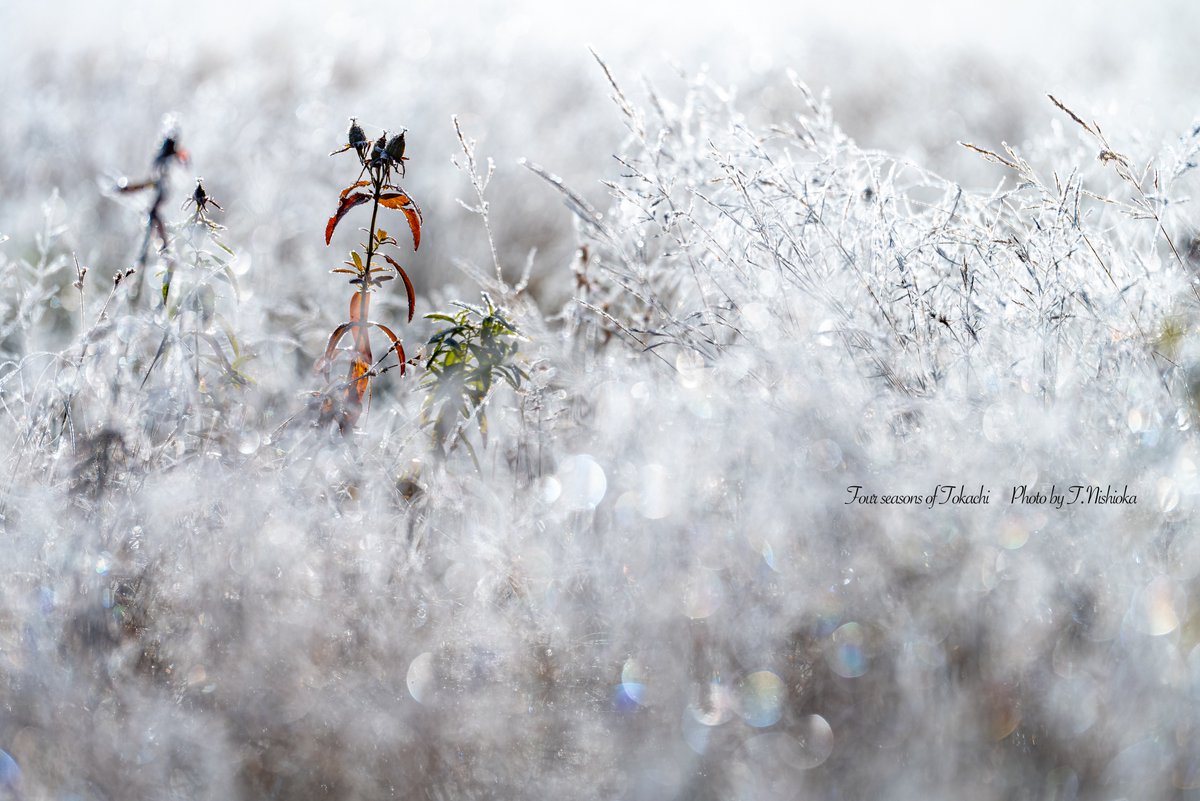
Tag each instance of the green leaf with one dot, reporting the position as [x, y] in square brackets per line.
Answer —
[439, 316]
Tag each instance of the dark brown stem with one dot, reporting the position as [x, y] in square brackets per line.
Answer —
[372, 247]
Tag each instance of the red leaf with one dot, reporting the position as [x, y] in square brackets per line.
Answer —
[408, 286]
[401, 356]
[344, 206]
[331, 348]
[396, 346]
[360, 305]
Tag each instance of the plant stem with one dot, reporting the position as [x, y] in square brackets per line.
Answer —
[372, 247]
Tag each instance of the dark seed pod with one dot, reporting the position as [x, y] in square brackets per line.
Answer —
[380, 151]
[395, 147]
[356, 136]
[202, 200]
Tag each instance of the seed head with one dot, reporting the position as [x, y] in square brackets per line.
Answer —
[395, 147]
[356, 136]
[380, 151]
[201, 200]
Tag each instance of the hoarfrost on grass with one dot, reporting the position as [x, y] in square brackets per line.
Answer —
[652, 585]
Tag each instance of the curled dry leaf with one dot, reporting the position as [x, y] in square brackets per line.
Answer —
[395, 200]
[331, 347]
[353, 186]
[402, 202]
[344, 206]
[396, 346]
[408, 285]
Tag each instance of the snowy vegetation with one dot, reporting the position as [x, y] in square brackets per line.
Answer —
[596, 541]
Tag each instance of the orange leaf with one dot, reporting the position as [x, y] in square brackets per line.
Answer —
[395, 200]
[344, 206]
[354, 186]
[401, 201]
[361, 361]
[358, 368]
[414, 224]
[408, 286]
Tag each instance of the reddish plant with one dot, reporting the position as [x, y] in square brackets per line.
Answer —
[381, 161]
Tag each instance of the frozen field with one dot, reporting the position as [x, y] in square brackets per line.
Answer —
[830, 458]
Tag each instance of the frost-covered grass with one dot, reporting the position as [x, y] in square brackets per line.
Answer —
[647, 582]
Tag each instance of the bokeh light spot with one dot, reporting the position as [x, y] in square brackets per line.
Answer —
[761, 696]
[583, 482]
[846, 653]
[422, 679]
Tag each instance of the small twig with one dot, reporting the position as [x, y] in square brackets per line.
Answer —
[480, 186]
[990, 156]
[80, 274]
